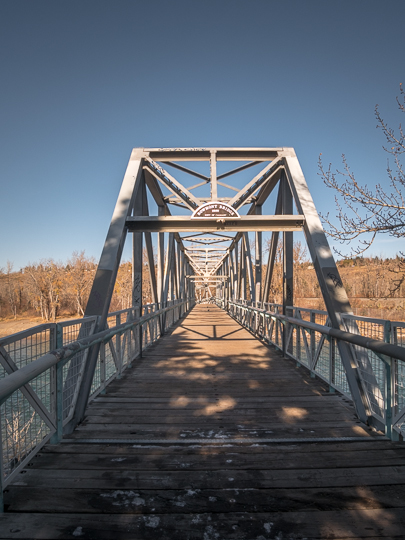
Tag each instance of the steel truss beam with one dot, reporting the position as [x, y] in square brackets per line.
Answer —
[194, 261]
[185, 224]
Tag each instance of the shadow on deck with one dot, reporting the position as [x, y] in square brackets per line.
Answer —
[213, 435]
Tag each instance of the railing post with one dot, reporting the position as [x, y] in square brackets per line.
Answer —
[331, 365]
[297, 315]
[390, 403]
[140, 339]
[1, 469]
[118, 347]
[57, 374]
[102, 368]
[312, 339]
[285, 331]
[390, 433]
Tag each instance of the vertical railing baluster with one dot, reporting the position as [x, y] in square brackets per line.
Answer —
[332, 366]
[298, 332]
[118, 347]
[102, 368]
[390, 378]
[389, 432]
[1, 467]
[57, 396]
[140, 339]
[312, 341]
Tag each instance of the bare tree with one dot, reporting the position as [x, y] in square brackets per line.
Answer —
[80, 275]
[300, 256]
[300, 253]
[122, 297]
[46, 286]
[12, 289]
[123, 287]
[362, 212]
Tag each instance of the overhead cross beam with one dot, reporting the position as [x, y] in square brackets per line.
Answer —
[244, 224]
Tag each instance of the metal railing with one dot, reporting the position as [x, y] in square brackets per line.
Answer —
[306, 336]
[41, 371]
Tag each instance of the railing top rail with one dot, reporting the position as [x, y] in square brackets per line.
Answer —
[42, 328]
[16, 380]
[399, 324]
[379, 347]
[121, 311]
[309, 310]
[72, 322]
[26, 333]
[69, 322]
[367, 319]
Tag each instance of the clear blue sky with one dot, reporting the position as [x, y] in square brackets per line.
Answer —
[85, 81]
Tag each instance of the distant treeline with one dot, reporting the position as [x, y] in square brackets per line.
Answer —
[376, 286]
[51, 289]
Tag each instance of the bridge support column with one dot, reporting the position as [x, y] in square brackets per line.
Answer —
[258, 260]
[242, 267]
[104, 281]
[288, 247]
[331, 285]
[137, 254]
[272, 252]
[236, 290]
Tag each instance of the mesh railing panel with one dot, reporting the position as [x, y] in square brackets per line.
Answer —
[25, 427]
[96, 382]
[339, 378]
[73, 369]
[25, 350]
[25, 347]
[110, 367]
[372, 369]
[22, 430]
[399, 387]
[398, 334]
[398, 338]
[322, 366]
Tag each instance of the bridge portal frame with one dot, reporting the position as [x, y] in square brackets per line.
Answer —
[179, 273]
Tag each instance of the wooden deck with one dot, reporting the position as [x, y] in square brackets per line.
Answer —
[206, 437]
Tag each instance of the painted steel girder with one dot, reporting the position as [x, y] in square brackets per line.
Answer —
[223, 154]
[333, 291]
[255, 184]
[172, 184]
[243, 224]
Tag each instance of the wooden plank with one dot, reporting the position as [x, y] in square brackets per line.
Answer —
[222, 479]
[341, 524]
[209, 461]
[141, 501]
[250, 401]
[156, 431]
[207, 415]
[130, 421]
[330, 448]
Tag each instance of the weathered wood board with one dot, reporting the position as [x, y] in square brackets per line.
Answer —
[213, 435]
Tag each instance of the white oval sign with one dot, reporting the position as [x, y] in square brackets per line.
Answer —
[215, 210]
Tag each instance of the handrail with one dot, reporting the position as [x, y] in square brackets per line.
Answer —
[38, 394]
[23, 376]
[379, 363]
[379, 347]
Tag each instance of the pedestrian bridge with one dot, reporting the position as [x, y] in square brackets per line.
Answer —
[210, 434]
[211, 413]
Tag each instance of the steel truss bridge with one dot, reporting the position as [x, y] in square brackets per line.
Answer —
[192, 209]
